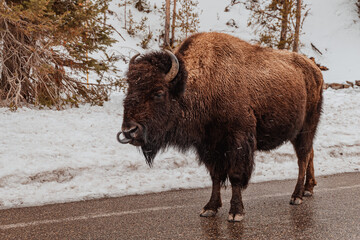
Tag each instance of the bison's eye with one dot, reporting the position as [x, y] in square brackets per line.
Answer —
[159, 95]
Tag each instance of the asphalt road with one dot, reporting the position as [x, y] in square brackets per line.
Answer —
[332, 213]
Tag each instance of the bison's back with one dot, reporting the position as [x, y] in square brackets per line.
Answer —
[270, 90]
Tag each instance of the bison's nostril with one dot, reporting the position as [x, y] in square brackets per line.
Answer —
[131, 132]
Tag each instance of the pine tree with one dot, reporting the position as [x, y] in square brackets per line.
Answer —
[274, 21]
[185, 20]
[284, 15]
[297, 26]
[47, 51]
[173, 24]
[167, 24]
[138, 28]
[188, 17]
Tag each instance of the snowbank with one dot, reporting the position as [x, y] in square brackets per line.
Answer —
[57, 156]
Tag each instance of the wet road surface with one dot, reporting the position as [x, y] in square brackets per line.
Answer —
[332, 213]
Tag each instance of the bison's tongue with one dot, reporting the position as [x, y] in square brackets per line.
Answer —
[123, 140]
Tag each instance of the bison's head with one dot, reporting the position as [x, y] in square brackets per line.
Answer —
[155, 82]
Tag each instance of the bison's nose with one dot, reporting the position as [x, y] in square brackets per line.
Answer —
[131, 130]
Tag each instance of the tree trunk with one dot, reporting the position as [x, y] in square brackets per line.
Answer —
[167, 24]
[284, 24]
[173, 25]
[297, 26]
[15, 72]
[125, 14]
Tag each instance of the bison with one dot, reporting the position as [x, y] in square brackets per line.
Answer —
[224, 98]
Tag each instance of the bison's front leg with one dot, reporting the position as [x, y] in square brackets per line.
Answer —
[241, 165]
[213, 160]
[236, 213]
[214, 203]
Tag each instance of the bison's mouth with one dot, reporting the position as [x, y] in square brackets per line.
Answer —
[132, 133]
[136, 143]
[148, 148]
[124, 139]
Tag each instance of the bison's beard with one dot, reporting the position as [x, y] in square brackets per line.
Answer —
[152, 146]
[149, 152]
[154, 141]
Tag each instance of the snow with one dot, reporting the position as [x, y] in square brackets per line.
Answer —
[334, 28]
[58, 156]
[331, 26]
[49, 156]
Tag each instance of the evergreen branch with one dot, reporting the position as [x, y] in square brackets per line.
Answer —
[112, 27]
[33, 73]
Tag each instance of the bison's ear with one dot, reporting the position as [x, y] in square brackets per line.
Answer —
[178, 84]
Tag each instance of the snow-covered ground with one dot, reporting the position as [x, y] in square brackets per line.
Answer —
[51, 156]
[56, 156]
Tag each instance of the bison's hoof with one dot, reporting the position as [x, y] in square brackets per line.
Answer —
[307, 193]
[295, 201]
[235, 217]
[207, 213]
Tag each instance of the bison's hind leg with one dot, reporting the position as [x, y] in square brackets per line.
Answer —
[310, 182]
[303, 145]
[306, 168]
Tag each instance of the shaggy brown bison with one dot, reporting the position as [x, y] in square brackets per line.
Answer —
[225, 98]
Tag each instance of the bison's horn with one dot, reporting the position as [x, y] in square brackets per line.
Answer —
[132, 60]
[174, 67]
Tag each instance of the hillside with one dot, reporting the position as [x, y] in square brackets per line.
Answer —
[332, 26]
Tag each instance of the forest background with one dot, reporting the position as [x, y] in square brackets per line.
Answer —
[57, 53]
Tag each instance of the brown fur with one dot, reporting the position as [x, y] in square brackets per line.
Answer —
[229, 99]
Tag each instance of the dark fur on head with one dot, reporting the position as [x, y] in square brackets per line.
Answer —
[145, 76]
